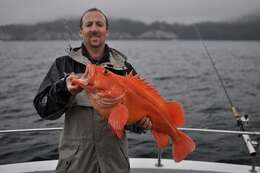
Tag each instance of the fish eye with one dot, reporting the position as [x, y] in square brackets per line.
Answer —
[105, 71]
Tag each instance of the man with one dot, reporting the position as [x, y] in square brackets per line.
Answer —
[87, 144]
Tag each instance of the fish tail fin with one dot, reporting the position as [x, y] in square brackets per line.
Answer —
[176, 113]
[182, 146]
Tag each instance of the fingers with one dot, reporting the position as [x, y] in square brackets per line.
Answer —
[145, 123]
[73, 89]
[69, 80]
[73, 76]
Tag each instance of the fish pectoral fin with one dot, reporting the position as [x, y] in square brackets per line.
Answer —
[160, 138]
[118, 119]
[176, 113]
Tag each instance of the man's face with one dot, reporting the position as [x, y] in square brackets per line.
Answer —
[93, 30]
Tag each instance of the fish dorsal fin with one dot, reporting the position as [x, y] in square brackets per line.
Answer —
[140, 82]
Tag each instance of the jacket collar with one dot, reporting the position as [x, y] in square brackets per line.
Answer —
[112, 58]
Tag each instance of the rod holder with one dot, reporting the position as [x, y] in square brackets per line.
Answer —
[249, 145]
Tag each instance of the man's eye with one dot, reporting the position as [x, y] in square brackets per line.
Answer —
[100, 24]
[88, 24]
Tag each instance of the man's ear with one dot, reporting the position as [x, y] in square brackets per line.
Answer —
[107, 34]
[80, 33]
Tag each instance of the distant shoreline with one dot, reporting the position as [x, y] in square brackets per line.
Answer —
[65, 40]
[125, 29]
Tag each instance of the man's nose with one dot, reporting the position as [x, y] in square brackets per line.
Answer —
[93, 27]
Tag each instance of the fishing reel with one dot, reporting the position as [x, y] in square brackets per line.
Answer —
[243, 122]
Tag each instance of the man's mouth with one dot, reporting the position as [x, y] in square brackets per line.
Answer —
[94, 38]
[94, 34]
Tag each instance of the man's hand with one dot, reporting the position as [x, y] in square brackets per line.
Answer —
[73, 89]
[145, 123]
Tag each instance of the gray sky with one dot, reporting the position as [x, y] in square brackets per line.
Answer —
[185, 11]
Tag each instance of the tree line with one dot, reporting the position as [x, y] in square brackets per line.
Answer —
[132, 29]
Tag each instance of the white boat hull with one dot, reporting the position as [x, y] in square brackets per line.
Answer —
[140, 165]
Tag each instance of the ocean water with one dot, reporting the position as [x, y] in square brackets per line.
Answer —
[180, 70]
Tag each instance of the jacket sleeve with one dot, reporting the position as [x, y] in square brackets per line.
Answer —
[135, 128]
[53, 95]
[130, 68]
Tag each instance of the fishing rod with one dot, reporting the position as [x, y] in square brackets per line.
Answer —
[242, 121]
[71, 34]
[236, 114]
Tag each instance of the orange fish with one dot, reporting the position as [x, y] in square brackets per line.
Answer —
[124, 100]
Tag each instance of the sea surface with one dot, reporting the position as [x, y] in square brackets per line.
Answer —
[180, 70]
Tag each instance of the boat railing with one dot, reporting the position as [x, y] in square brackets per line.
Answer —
[251, 145]
[184, 129]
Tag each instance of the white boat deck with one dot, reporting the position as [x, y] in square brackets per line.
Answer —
[140, 166]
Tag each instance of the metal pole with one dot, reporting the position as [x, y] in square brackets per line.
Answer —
[184, 129]
[220, 131]
[159, 156]
[31, 130]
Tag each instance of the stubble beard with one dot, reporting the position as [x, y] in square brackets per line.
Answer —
[95, 43]
[95, 40]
